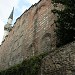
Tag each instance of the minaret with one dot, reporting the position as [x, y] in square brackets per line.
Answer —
[8, 26]
[10, 19]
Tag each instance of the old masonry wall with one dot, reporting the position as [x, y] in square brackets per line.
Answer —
[32, 34]
[61, 61]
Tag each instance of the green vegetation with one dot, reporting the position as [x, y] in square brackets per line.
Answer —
[66, 21]
[27, 67]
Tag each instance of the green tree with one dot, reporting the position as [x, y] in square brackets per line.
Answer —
[65, 22]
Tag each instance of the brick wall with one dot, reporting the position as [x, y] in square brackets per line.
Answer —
[32, 34]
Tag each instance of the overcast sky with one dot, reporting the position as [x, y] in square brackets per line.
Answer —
[6, 7]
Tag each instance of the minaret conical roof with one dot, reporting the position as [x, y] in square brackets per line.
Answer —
[11, 15]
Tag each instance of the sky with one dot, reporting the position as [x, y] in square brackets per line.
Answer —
[6, 7]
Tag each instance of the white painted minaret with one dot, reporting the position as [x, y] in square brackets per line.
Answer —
[8, 26]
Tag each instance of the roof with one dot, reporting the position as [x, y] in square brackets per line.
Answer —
[11, 15]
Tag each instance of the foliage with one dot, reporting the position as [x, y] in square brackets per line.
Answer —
[27, 67]
[66, 21]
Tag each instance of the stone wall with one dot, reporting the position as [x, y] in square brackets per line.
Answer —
[32, 34]
[60, 61]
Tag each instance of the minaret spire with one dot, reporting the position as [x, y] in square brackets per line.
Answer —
[10, 19]
[11, 15]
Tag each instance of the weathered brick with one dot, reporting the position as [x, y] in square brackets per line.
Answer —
[29, 30]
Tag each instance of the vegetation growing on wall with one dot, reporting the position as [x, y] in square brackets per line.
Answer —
[27, 67]
[66, 21]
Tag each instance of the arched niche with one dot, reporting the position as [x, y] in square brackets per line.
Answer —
[40, 8]
[46, 42]
[31, 50]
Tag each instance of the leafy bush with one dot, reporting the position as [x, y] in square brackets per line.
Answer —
[27, 67]
[66, 21]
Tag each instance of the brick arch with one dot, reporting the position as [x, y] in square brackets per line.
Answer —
[39, 7]
[46, 42]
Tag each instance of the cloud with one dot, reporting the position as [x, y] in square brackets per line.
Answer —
[1, 30]
[6, 8]
[20, 6]
[32, 1]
